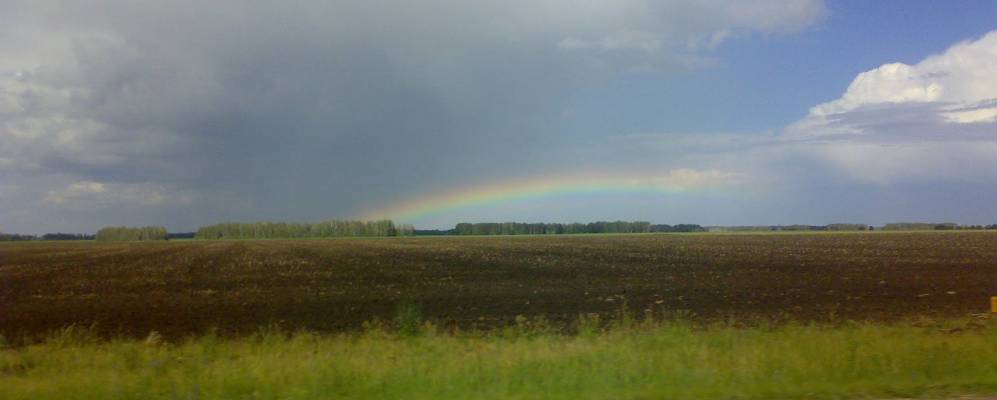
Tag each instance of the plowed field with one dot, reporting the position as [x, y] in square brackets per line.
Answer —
[186, 287]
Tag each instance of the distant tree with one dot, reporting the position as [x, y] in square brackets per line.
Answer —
[284, 230]
[66, 236]
[747, 228]
[920, 226]
[541, 228]
[464, 229]
[404, 230]
[688, 228]
[847, 227]
[13, 237]
[434, 232]
[946, 226]
[661, 228]
[126, 234]
[908, 226]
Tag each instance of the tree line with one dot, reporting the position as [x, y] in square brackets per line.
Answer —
[541, 228]
[284, 230]
[791, 228]
[13, 237]
[127, 234]
[336, 228]
[921, 226]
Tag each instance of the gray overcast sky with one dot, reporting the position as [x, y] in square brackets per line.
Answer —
[186, 113]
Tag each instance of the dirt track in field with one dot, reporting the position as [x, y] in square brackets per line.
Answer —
[181, 288]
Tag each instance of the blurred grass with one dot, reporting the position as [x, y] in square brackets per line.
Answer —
[638, 360]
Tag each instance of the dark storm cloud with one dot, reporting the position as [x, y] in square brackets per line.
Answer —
[309, 109]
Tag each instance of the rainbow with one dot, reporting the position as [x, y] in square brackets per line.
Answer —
[671, 182]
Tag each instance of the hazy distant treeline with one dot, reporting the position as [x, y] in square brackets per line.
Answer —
[126, 234]
[540, 228]
[848, 227]
[13, 237]
[778, 228]
[284, 230]
[922, 226]
[334, 228]
[895, 226]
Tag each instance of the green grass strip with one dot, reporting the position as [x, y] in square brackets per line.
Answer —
[649, 361]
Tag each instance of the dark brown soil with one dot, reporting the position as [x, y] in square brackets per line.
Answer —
[181, 288]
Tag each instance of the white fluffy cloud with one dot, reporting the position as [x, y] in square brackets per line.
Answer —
[934, 120]
[961, 81]
[962, 74]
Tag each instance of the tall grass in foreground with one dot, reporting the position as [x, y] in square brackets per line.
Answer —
[663, 360]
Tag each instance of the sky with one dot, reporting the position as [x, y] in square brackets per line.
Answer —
[186, 113]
